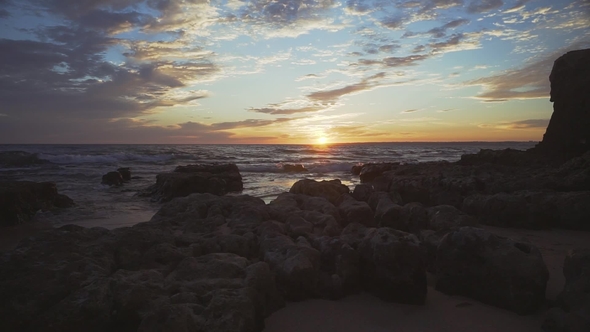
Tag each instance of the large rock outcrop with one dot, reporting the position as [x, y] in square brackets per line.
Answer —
[568, 133]
[20, 200]
[476, 263]
[218, 179]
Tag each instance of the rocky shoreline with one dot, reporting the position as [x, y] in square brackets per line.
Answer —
[209, 262]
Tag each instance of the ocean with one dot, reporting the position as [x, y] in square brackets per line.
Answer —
[77, 170]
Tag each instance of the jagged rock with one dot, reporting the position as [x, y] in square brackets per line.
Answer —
[568, 132]
[362, 192]
[573, 304]
[339, 275]
[20, 159]
[330, 190]
[298, 168]
[509, 157]
[475, 263]
[20, 200]
[387, 213]
[393, 266]
[352, 210]
[370, 171]
[112, 179]
[217, 179]
[125, 173]
[446, 217]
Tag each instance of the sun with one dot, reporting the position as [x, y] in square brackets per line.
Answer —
[322, 140]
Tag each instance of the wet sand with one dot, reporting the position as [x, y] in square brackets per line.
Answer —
[366, 313]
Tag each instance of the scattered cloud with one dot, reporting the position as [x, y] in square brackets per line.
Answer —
[519, 125]
[410, 111]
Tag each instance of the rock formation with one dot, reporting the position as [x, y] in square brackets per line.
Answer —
[20, 200]
[217, 179]
[568, 133]
[20, 159]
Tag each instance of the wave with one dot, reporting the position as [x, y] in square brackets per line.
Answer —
[113, 158]
[312, 168]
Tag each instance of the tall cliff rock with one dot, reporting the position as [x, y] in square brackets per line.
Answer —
[568, 133]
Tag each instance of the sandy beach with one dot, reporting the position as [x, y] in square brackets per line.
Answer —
[366, 313]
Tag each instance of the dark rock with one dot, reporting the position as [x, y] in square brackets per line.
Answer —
[509, 157]
[573, 304]
[217, 179]
[393, 266]
[568, 132]
[330, 190]
[112, 179]
[20, 159]
[20, 200]
[413, 217]
[339, 275]
[298, 168]
[352, 210]
[362, 192]
[356, 169]
[475, 263]
[447, 217]
[387, 213]
[125, 173]
[370, 171]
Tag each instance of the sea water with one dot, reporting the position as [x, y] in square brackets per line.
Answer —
[77, 170]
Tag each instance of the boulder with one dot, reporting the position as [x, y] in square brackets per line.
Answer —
[447, 217]
[20, 200]
[217, 179]
[339, 274]
[573, 304]
[20, 159]
[330, 190]
[568, 132]
[352, 210]
[387, 213]
[125, 173]
[298, 168]
[392, 266]
[112, 179]
[370, 171]
[362, 192]
[495, 270]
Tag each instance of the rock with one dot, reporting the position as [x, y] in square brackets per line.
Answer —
[352, 210]
[393, 266]
[112, 179]
[217, 179]
[297, 226]
[509, 157]
[20, 159]
[339, 267]
[447, 217]
[296, 267]
[330, 190]
[370, 171]
[20, 200]
[413, 217]
[429, 240]
[573, 304]
[356, 169]
[353, 234]
[362, 192]
[475, 263]
[298, 168]
[125, 173]
[387, 213]
[568, 132]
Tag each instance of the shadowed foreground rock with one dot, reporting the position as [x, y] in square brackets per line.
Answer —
[20, 200]
[218, 179]
[495, 270]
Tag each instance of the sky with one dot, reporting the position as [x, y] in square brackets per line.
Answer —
[281, 71]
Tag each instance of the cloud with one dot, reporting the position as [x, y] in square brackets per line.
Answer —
[330, 96]
[277, 110]
[528, 82]
[482, 6]
[519, 125]
[410, 111]
[355, 131]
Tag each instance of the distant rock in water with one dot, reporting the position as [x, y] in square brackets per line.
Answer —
[294, 168]
[568, 133]
[125, 173]
[20, 159]
[20, 200]
[112, 179]
[217, 179]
